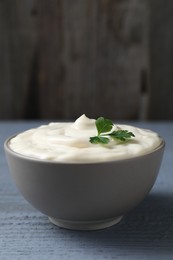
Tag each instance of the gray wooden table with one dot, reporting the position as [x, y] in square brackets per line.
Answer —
[145, 233]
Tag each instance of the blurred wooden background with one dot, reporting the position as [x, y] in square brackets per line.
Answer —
[62, 58]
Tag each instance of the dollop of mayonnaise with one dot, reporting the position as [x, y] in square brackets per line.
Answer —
[69, 142]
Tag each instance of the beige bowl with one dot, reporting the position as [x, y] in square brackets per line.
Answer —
[85, 196]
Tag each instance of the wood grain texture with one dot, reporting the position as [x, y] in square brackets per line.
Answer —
[145, 233]
[16, 48]
[161, 60]
[95, 61]
[62, 58]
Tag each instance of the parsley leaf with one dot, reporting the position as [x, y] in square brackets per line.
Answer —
[104, 126]
[99, 140]
[122, 135]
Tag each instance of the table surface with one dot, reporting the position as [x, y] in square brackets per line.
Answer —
[144, 233]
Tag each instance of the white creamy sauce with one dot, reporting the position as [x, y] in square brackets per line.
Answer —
[69, 142]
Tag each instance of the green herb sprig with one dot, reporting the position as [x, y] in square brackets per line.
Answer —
[104, 134]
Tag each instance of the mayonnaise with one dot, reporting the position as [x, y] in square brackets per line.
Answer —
[69, 143]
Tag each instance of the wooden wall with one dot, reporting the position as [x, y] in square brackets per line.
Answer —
[161, 59]
[62, 58]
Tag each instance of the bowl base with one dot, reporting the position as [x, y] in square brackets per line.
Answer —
[85, 225]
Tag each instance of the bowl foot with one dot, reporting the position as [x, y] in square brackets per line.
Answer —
[85, 225]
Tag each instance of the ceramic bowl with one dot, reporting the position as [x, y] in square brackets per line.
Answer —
[85, 196]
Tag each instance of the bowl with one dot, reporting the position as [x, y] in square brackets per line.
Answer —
[84, 196]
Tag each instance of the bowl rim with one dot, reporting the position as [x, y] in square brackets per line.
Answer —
[8, 149]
